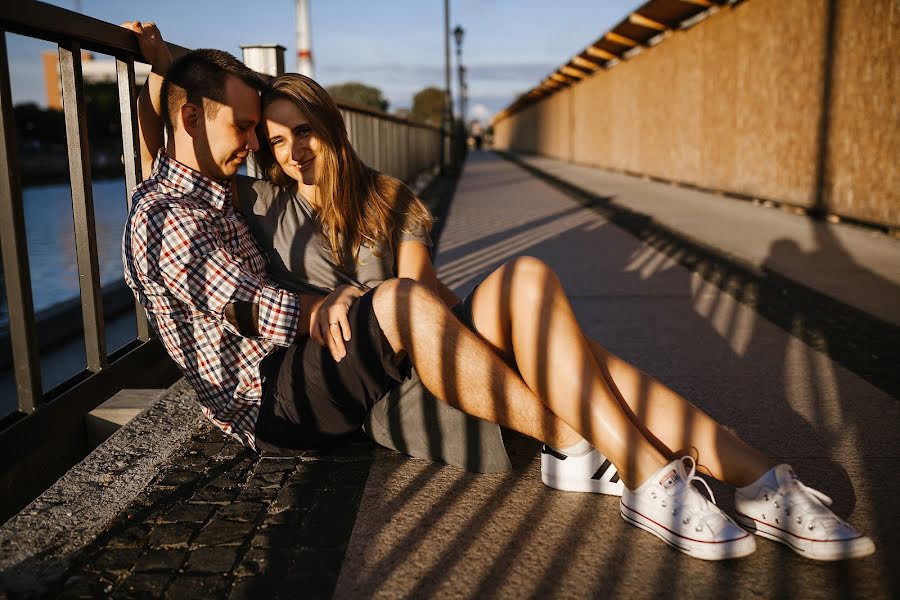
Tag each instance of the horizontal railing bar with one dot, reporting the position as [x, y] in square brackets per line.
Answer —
[370, 110]
[16, 271]
[86, 254]
[56, 24]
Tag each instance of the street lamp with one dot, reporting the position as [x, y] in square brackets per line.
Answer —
[458, 34]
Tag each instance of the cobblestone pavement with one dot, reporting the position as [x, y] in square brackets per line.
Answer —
[220, 521]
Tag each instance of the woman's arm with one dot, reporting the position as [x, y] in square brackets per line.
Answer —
[414, 262]
[150, 100]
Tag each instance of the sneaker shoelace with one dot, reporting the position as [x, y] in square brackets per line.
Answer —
[696, 504]
[811, 504]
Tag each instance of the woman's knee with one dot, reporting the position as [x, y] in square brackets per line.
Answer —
[531, 276]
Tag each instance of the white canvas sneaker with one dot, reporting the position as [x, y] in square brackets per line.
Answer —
[798, 516]
[671, 508]
[591, 472]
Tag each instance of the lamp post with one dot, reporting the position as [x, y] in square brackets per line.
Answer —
[463, 96]
[458, 34]
[447, 112]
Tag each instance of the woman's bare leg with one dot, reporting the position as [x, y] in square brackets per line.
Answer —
[677, 426]
[515, 309]
[458, 367]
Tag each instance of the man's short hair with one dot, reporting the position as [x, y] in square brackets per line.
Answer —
[202, 74]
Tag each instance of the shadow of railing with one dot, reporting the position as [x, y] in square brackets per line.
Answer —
[712, 346]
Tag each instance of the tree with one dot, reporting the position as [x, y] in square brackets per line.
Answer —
[359, 93]
[428, 106]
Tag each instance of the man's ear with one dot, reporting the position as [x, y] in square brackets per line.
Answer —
[191, 118]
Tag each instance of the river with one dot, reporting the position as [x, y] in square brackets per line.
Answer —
[50, 229]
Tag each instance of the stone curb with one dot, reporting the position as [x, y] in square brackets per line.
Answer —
[39, 543]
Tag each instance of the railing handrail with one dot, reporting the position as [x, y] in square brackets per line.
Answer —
[371, 110]
[55, 24]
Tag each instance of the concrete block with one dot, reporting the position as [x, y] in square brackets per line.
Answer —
[107, 418]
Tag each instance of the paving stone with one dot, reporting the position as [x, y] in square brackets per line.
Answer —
[114, 559]
[240, 511]
[264, 561]
[254, 493]
[165, 496]
[254, 588]
[145, 585]
[288, 517]
[194, 460]
[189, 513]
[294, 496]
[275, 478]
[212, 560]
[177, 478]
[223, 533]
[83, 586]
[275, 465]
[276, 536]
[314, 474]
[172, 535]
[129, 536]
[232, 450]
[215, 494]
[190, 588]
[169, 560]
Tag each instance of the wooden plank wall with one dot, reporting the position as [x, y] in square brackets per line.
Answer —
[797, 102]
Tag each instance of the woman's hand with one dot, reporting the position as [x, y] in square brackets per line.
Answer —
[151, 44]
[329, 324]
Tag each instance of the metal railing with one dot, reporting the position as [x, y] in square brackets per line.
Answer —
[45, 436]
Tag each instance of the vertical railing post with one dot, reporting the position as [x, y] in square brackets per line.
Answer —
[26, 365]
[267, 59]
[131, 153]
[82, 204]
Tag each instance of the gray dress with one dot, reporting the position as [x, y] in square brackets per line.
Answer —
[408, 418]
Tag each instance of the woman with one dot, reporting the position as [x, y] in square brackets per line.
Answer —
[330, 224]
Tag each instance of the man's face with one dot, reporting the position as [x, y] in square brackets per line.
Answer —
[231, 132]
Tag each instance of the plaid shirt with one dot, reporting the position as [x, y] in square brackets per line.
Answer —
[187, 255]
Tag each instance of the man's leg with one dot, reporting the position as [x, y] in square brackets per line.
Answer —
[460, 368]
[522, 311]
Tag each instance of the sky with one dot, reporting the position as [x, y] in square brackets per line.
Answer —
[394, 45]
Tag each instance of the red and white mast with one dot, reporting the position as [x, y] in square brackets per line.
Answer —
[304, 45]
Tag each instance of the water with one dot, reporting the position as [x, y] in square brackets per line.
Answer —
[50, 230]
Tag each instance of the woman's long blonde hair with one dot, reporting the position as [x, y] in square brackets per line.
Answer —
[356, 204]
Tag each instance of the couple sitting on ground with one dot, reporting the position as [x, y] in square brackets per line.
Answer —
[304, 306]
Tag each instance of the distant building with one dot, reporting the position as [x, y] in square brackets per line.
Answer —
[94, 71]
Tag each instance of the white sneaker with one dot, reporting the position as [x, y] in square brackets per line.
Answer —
[591, 472]
[798, 517]
[671, 508]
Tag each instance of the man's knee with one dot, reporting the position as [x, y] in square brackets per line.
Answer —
[396, 296]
